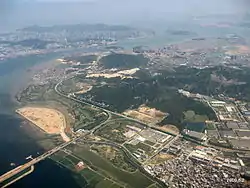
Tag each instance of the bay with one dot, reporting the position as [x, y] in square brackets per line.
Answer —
[15, 143]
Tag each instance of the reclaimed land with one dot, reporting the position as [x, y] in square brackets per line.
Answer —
[49, 120]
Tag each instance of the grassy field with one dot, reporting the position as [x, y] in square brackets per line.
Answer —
[134, 148]
[115, 130]
[148, 150]
[87, 177]
[210, 126]
[115, 156]
[133, 180]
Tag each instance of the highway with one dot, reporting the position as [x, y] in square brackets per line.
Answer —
[129, 118]
[98, 107]
[31, 163]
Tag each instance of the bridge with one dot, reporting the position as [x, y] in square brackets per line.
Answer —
[31, 163]
[14, 172]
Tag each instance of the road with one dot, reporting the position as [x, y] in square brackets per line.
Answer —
[98, 107]
[31, 163]
[121, 115]
[164, 146]
[19, 177]
[129, 156]
[19, 169]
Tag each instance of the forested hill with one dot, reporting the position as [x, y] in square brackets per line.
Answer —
[211, 81]
[123, 61]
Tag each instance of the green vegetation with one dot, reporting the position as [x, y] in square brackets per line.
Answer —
[115, 156]
[155, 92]
[132, 180]
[176, 105]
[86, 178]
[75, 84]
[87, 117]
[144, 147]
[34, 93]
[210, 126]
[126, 61]
[190, 116]
[196, 126]
[130, 147]
[77, 115]
[93, 179]
[225, 80]
[134, 148]
[69, 86]
[115, 130]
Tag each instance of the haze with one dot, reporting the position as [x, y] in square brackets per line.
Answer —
[19, 13]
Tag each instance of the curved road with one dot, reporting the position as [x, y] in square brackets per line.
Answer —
[127, 153]
[129, 157]
[98, 107]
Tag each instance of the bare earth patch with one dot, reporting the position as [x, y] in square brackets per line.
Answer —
[83, 88]
[169, 128]
[49, 120]
[160, 158]
[146, 114]
[122, 74]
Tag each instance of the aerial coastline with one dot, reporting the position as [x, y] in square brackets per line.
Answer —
[139, 118]
[49, 120]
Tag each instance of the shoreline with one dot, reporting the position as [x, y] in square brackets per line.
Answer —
[37, 125]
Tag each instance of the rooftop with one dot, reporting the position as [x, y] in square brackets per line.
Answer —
[243, 133]
[242, 144]
[227, 134]
[194, 134]
[232, 125]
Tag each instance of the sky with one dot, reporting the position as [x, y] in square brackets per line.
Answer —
[19, 13]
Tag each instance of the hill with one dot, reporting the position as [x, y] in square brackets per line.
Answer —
[126, 61]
